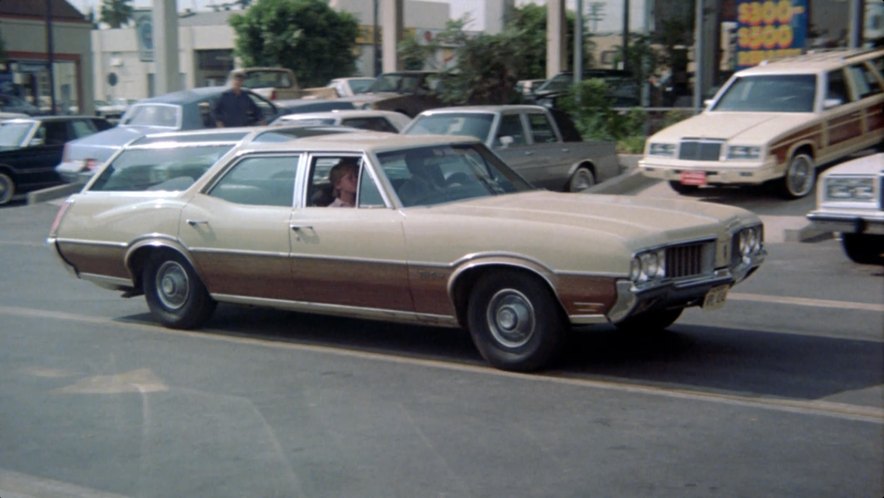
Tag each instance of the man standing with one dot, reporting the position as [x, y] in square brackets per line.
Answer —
[236, 107]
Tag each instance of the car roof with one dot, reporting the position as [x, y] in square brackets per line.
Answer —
[185, 96]
[340, 113]
[365, 140]
[483, 108]
[813, 62]
[51, 118]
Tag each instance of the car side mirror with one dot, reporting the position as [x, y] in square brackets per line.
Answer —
[506, 141]
[830, 103]
[707, 102]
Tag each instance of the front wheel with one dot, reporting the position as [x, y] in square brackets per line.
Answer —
[174, 293]
[800, 177]
[649, 321]
[581, 180]
[7, 188]
[863, 248]
[515, 322]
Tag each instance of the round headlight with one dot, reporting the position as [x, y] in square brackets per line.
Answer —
[635, 269]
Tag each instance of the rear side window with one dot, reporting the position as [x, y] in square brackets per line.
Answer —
[541, 129]
[259, 181]
[160, 168]
[865, 83]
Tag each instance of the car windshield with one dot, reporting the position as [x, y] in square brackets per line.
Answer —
[466, 124]
[13, 134]
[445, 173]
[159, 167]
[361, 86]
[397, 83]
[156, 115]
[769, 93]
[267, 79]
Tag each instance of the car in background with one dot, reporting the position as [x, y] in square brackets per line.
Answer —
[31, 147]
[442, 233]
[776, 122]
[388, 121]
[348, 87]
[850, 202]
[622, 88]
[526, 88]
[406, 92]
[176, 111]
[113, 109]
[541, 144]
[18, 105]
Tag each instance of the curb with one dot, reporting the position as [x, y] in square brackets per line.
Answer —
[48, 194]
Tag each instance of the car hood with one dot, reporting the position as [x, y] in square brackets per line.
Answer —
[570, 226]
[102, 144]
[751, 127]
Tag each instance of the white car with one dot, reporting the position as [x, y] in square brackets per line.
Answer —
[348, 87]
[776, 122]
[389, 121]
[850, 201]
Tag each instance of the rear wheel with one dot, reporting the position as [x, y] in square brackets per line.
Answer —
[515, 322]
[7, 188]
[581, 180]
[650, 321]
[174, 293]
[800, 177]
[863, 248]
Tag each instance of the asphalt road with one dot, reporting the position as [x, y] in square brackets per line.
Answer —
[780, 393]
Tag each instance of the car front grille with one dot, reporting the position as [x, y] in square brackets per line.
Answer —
[690, 260]
[696, 149]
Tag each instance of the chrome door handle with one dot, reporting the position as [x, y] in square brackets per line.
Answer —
[194, 223]
[298, 228]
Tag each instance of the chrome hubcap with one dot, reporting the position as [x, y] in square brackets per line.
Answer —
[511, 318]
[800, 176]
[172, 285]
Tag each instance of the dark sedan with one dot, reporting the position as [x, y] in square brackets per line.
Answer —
[31, 147]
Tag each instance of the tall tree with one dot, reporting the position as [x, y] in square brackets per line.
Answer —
[116, 13]
[306, 36]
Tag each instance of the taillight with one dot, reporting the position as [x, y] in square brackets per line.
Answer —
[53, 230]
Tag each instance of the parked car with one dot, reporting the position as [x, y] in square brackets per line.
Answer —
[623, 90]
[406, 92]
[443, 233]
[12, 103]
[392, 122]
[526, 88]
[776, 122]
[31, 147]
[112, 109]
[348, 87]
[184, 110]
[850, 202]
[277, 83]
[543, 145]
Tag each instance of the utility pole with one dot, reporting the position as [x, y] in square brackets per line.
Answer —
[578, 47]
[626, 35]
[376, 42]
[50, 57]
[699, 48]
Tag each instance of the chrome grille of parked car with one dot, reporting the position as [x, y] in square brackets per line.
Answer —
[699, 149]
[690, 260]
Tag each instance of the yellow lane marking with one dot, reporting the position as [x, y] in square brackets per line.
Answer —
[805, 407]
[804, 301]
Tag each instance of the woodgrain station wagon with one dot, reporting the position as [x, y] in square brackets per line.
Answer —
[478, 247]
[776, 122]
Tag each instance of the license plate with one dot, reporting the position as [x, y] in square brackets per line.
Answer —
[716, 297]
[693, 178]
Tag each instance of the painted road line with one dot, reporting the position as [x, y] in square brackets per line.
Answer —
[805, 301]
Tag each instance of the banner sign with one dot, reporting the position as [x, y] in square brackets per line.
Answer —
[770, 29]
[144, 34]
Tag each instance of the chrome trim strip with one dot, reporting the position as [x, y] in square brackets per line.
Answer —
[626, 301]
[342, 310]
[587, 319]
[208, 250]
[86, 242]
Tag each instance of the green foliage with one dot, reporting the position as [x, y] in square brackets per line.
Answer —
[306, 36]
[597, 119]
[116, 13]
